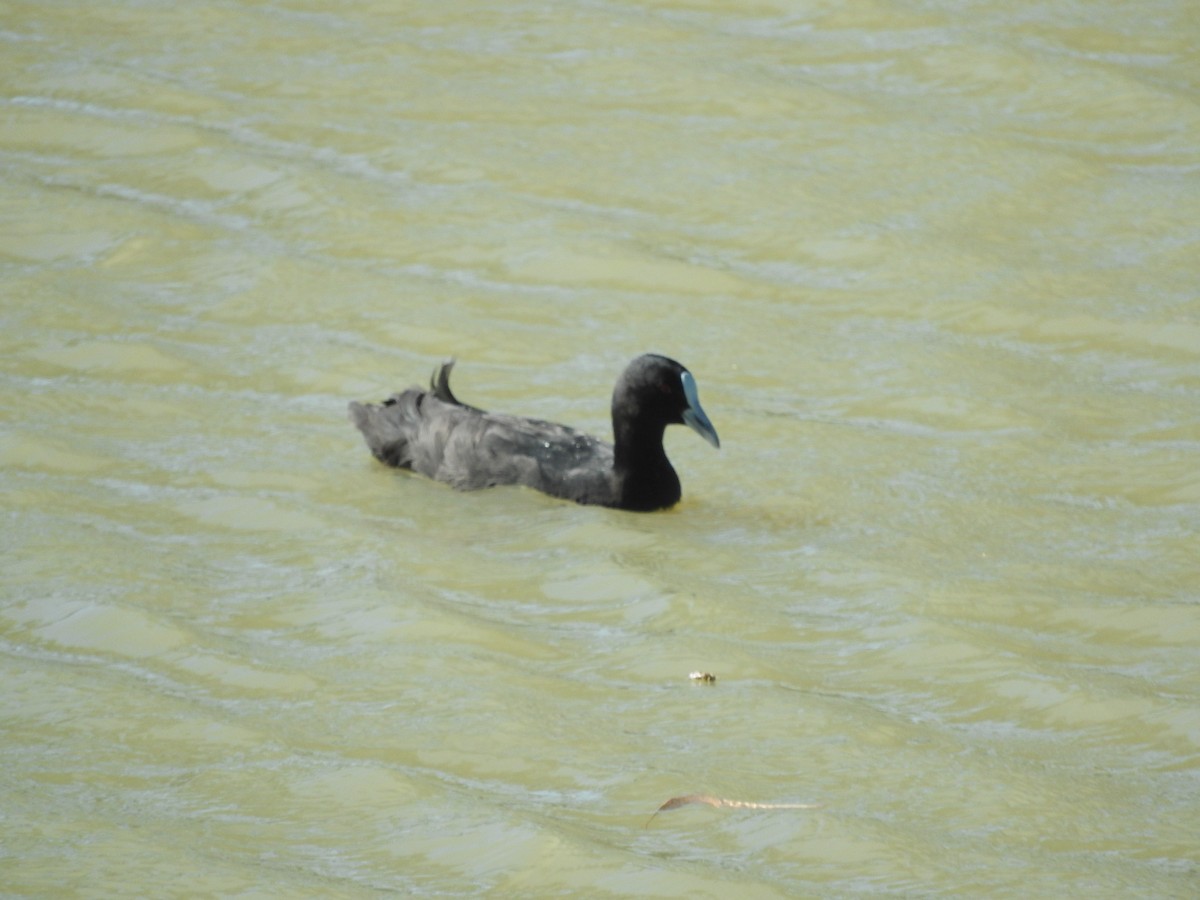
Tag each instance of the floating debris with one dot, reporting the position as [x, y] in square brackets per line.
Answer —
[721, 802]
[703, 677]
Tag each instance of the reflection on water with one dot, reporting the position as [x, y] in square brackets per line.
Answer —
[935, 270]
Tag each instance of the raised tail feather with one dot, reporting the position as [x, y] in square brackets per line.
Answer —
[439, 383]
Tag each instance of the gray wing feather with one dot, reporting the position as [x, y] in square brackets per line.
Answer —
[434, 434]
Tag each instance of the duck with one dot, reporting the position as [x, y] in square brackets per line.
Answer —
[431, 432]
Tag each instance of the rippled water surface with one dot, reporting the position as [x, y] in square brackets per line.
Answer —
[934, 267]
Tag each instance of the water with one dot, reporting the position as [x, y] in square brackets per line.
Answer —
[934, 268]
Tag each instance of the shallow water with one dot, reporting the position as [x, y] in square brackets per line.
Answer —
[934, 268]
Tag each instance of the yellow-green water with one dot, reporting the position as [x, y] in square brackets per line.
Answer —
[934, 267]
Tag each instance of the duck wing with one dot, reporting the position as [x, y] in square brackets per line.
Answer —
[432, 433]
[495, 449]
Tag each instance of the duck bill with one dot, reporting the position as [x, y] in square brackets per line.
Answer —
[694, 416]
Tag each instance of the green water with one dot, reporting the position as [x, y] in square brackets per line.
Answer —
[934, 269]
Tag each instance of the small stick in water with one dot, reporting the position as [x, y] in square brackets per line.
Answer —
[719, 802]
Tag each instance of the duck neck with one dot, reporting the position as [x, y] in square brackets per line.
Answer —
[647, 479]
